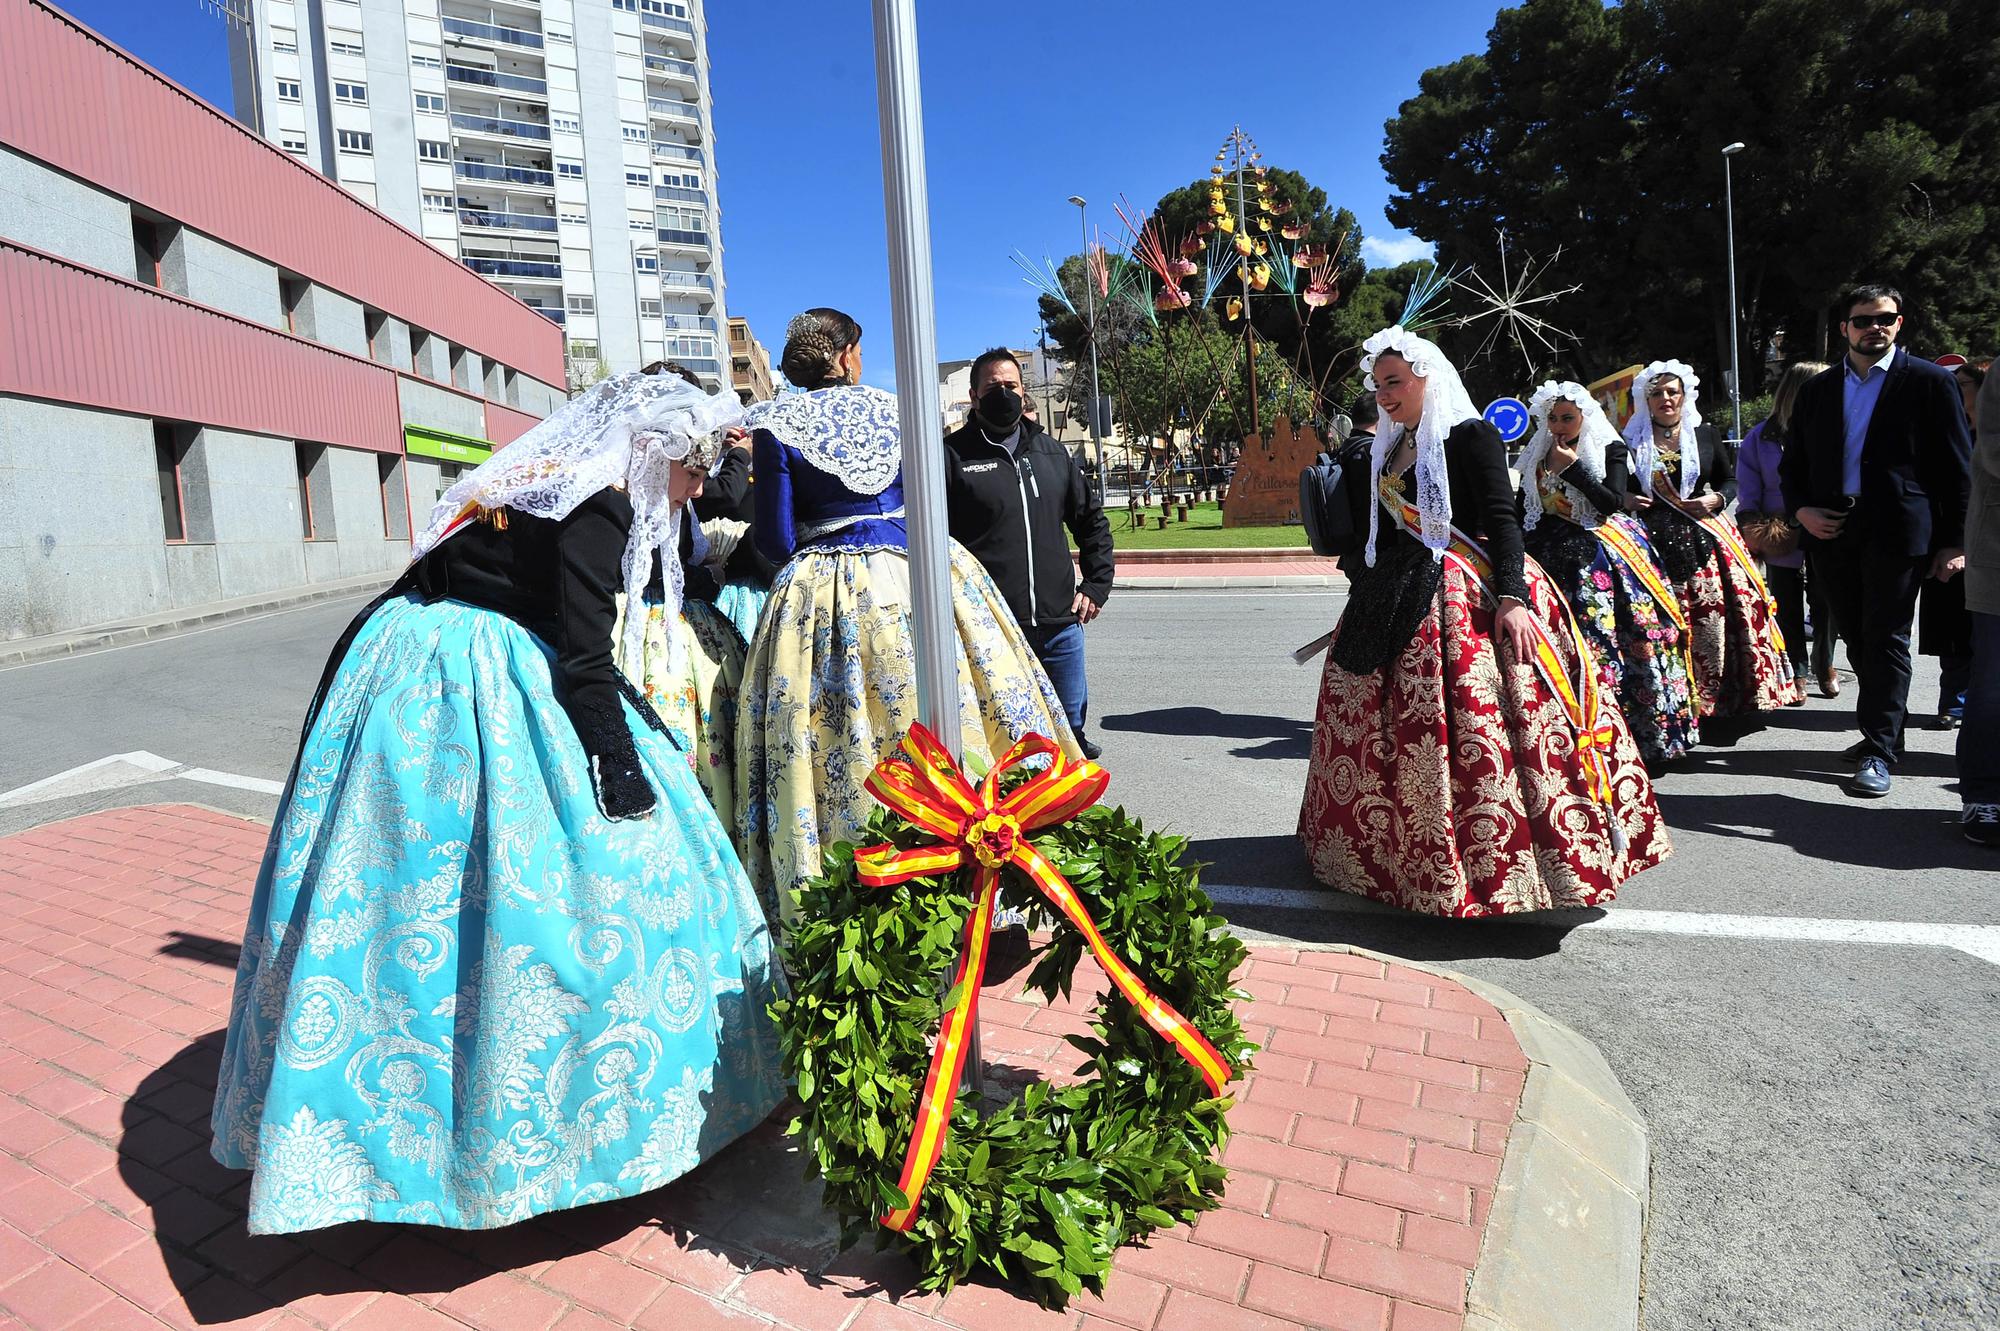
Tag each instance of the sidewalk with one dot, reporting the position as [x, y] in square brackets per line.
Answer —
[1157, 570]
[20, 651]
[1368, 1143]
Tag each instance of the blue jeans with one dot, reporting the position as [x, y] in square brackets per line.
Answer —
[1061, 654]
[1979, 737]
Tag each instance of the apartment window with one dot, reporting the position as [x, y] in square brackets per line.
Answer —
[433, 150]
[288, 90]
[150, 240]
[292, 142]
[643, 179]
[639, 221]
[395, 498]
[573, 170]
[431, 101]
[581, 304]
[572, 215]
[426, 58]
[635, 133]
[629, 6]
[354, 94]
[344, 43]
[661, 7]
[315, 491]
[565, 124]
[285, 41]
[169, 451]
[558, 35]
[646, 263]
[355, 141]
[438, 203]
[649, 307]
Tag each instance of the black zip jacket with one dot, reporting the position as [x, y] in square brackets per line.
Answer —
[1010, 512]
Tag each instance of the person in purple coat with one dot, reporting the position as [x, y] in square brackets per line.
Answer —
[1758, 496]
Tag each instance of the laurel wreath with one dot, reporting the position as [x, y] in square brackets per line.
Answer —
[1040, 1190]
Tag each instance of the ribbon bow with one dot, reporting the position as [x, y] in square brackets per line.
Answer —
[926, 787]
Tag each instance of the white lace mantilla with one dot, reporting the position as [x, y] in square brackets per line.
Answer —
[1446, 406]
[626, 431]
[1597, 434]
[1639, 429]
[851, 432]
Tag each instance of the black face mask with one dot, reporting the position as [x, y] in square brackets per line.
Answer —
[1000, 409]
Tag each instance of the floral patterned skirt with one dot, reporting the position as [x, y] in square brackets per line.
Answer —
[1448, 784]
[465, 997]
[1739, 670]
[1640, 651]
[830, 689]
[697, 701]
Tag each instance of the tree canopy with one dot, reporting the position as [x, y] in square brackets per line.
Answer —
[1871, 155]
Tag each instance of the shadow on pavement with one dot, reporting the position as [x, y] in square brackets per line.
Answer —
[1283, 736]
[1837, 829]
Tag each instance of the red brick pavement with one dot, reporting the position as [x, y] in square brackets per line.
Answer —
[1366, 1144]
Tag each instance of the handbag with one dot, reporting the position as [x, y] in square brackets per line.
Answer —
[1769, 535]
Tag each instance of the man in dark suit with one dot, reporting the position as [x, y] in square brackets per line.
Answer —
[1877, 469]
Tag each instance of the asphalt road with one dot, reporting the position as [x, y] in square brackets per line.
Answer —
[1826, 1131]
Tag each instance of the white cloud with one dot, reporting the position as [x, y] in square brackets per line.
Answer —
[1387, 252]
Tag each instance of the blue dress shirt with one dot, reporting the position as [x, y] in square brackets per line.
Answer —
[1862, 392]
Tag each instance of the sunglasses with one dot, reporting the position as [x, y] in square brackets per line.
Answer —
[1875, 320]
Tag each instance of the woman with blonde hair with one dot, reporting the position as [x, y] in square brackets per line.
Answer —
[1773, 537]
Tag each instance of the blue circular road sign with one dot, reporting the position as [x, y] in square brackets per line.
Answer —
[1508, 415]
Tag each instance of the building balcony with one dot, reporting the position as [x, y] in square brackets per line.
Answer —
[549, 312]
[516, 269]
[701, 364]
[686, 240]
[677, 280]
[673, 70]
[678, 26]
[666, 108]
[487, 219]
[679, 194]
[492, 34]
[511, 175]
[688, 323]
[500, 127]
[492, 78]
[677, 152]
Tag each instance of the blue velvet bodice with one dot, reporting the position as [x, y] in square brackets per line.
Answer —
[794, 496]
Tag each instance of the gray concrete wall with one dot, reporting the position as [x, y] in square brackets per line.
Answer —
[425, 404]
[81, 535]
[254, 493]
[54, 212]
[337, 321]
[361, 544]
[206, 270]
[540, 399]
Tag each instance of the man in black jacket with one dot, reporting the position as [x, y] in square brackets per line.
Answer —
[1011, 491]
[1877, 469]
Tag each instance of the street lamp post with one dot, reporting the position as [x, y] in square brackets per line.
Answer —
[1090, 319]
[1735, 362]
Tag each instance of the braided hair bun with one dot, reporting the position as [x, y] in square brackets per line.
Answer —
[813, 342]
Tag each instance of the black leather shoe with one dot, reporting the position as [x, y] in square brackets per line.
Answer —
[1090, 750]
[1870, 780]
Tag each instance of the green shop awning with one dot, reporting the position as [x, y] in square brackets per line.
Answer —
[425, 441]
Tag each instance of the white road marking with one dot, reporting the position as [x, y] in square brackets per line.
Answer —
[1979, 940]
[145, 767]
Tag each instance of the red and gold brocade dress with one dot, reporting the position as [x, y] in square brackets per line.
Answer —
[1444, 782]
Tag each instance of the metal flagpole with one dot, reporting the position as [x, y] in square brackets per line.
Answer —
[906, 201]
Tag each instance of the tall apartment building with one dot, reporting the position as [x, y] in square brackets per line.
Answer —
[558, 147]
[749, 363]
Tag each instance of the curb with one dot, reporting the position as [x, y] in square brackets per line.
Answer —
[23, 651]
[1235, 554]
[1180, 583]
[1565, 1242]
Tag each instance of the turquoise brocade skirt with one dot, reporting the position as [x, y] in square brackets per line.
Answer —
[466, 997]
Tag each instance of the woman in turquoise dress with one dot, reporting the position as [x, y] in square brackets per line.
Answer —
[501, 959]
[829, 688]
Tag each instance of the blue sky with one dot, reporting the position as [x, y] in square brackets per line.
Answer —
[1025, 104]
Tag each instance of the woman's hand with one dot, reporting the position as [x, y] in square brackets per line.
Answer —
[1561, 457]
[1712, 502]
[1514, 632]
[1637, 503]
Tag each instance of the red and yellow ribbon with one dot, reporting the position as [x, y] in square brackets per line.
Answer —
[1620, 543]
[978, 828]
[1726, 535]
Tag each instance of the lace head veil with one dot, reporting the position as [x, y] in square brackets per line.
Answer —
[1446, 405]
[625, 431]
[1639, 429]
[1590, 444]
